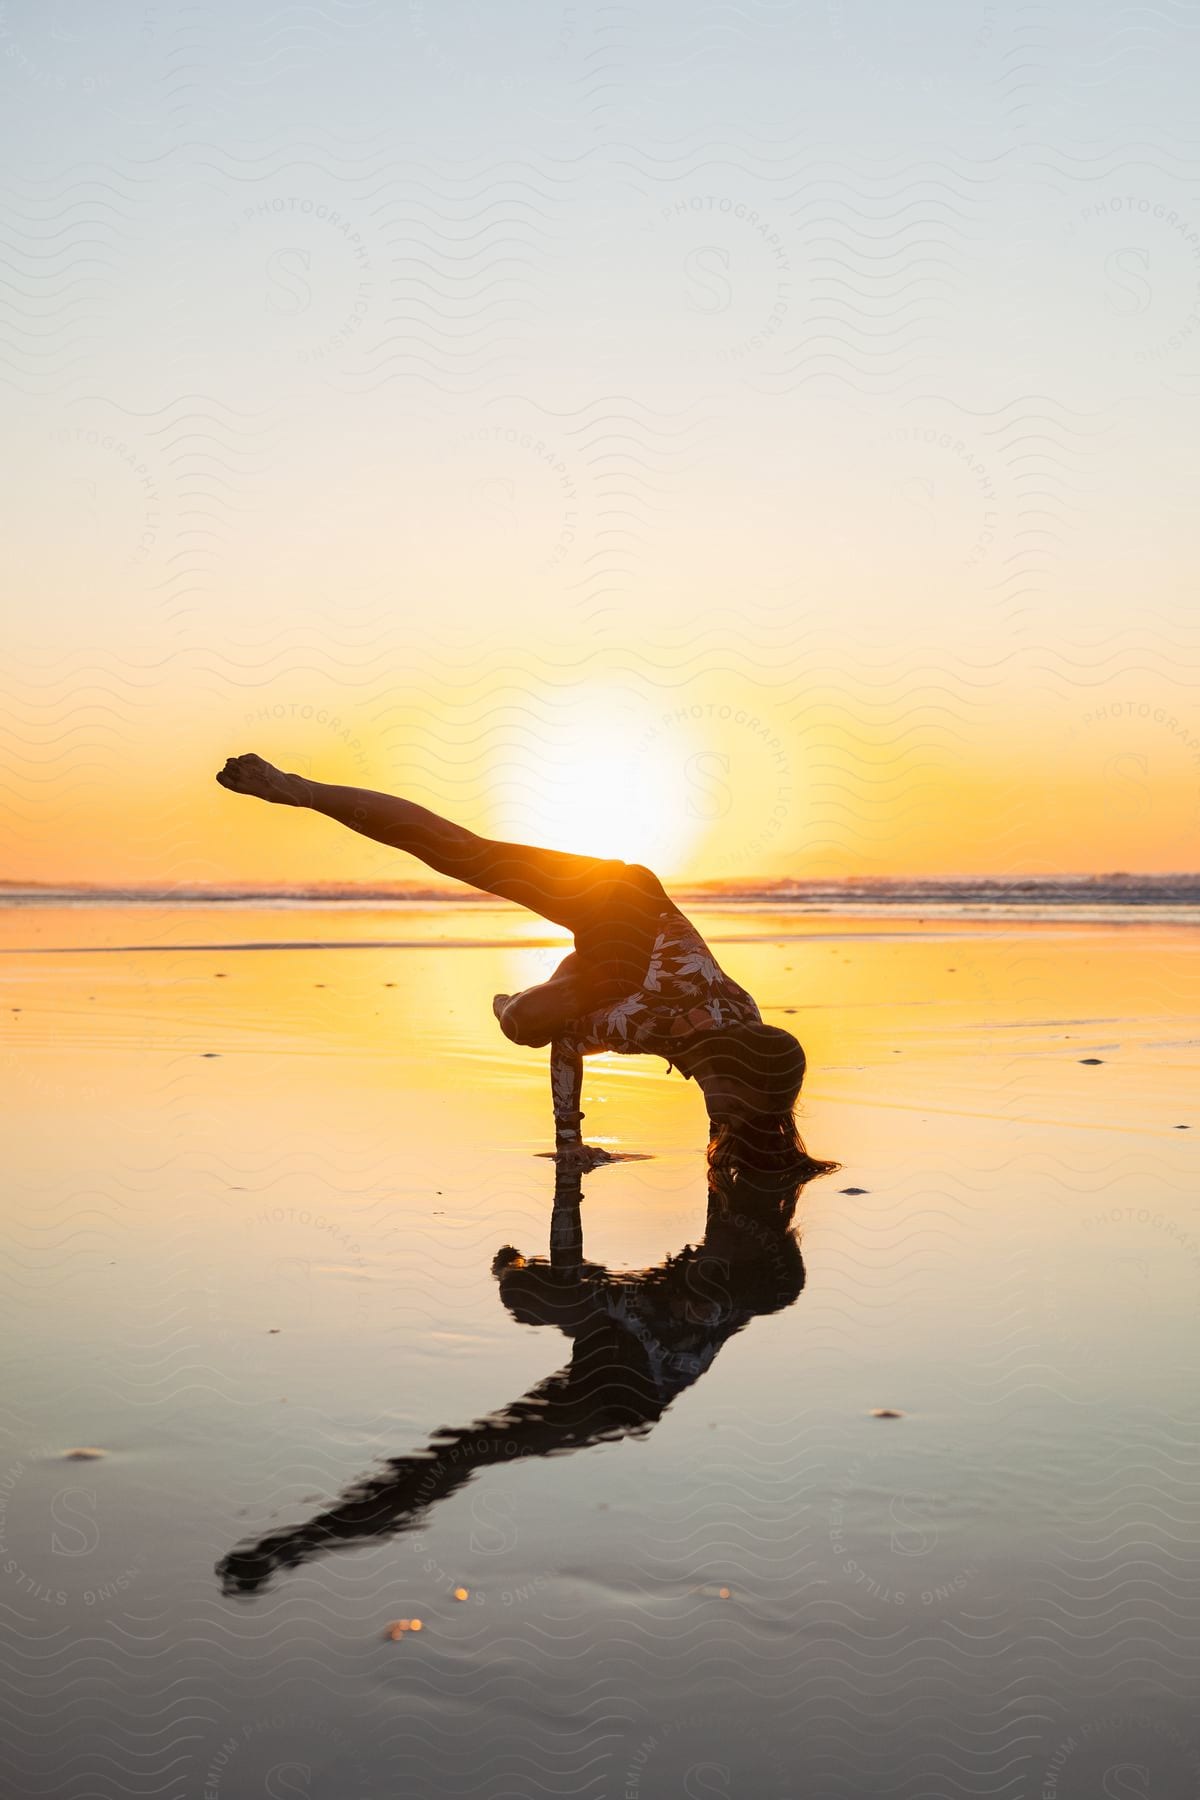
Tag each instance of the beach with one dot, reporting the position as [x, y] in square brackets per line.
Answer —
[261, 1157]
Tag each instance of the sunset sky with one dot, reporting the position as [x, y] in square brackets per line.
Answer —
[447, 399]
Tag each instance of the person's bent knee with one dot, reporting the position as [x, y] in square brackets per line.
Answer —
[524, 1022]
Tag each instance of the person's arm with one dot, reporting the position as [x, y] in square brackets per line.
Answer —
[566, 1087]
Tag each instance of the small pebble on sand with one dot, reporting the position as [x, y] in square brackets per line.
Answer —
[86, 1453]
[1093, 1060]
[885, 1412]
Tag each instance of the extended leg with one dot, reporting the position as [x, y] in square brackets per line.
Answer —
[571, 891]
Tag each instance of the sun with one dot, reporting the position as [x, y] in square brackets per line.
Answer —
[594, 797]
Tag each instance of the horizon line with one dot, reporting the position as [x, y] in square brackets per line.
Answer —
[418, 889]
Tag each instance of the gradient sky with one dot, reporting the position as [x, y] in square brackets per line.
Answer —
[757, 439]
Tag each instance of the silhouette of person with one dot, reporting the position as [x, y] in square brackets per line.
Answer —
[640, 980]
[639, 1339]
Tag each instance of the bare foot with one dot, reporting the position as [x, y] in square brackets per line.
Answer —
[250, 774]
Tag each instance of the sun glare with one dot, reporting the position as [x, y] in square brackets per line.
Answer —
[608, 797]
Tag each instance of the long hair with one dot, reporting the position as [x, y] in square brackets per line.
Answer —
[765, 1143]
[771, 1063]
[749, 1228]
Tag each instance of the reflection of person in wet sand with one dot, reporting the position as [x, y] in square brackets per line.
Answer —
[640, 980]
[639, 1338]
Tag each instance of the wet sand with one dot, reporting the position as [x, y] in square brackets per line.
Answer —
[253, 1198]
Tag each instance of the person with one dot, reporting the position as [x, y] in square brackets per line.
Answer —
[639, 1338]
[640, 980]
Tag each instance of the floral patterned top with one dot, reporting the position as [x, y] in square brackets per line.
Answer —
[683, 991]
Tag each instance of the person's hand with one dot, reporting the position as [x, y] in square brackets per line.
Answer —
[580, 1157]
[251, 774]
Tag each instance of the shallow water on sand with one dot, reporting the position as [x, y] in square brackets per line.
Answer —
[253, 1199]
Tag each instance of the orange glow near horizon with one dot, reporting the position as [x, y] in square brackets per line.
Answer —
[703, 782]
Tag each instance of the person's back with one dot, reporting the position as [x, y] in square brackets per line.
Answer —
[667, 984]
